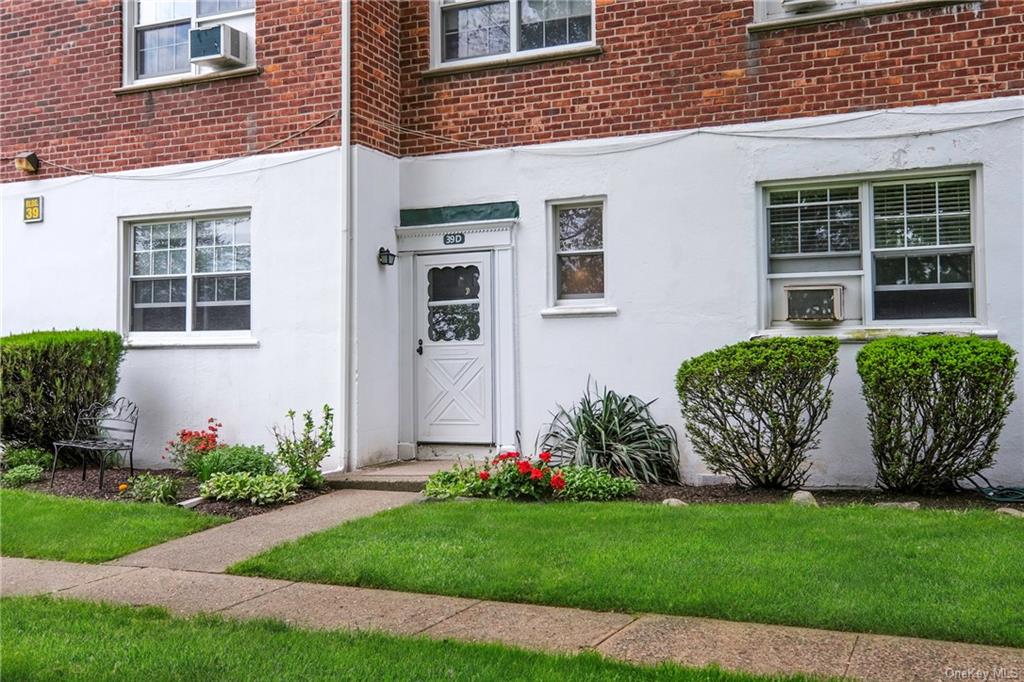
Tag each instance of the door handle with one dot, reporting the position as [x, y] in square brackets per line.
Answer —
[419, 347]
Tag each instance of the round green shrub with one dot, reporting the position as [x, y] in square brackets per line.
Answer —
[48, 377]
[936, 405]
[754, 409]
[18, 476]
[15, 457]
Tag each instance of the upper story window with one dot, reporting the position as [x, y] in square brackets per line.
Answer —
[487, 30]
[919, 258]
[157, 40]
[189, 274]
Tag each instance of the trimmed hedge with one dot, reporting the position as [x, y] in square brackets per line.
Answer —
[936, 406]
[48, 377]
[754, 409]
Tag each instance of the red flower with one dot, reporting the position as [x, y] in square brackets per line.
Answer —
[558, 481]
[525, 467]
[484, 475]
[536, 474]
[545, 456]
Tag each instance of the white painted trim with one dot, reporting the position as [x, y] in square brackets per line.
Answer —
[190, 341]
[480, 235]
[580, 311]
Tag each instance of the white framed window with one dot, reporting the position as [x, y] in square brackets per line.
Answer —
[156, 34]
[898, 248]
[481, 31]
[577, 267]
[189, 274]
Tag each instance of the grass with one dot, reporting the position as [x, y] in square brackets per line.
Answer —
[68, 640]
[41, 526]
[935, 574]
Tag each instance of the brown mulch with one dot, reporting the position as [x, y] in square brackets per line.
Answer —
[711, 494]
[69, 483]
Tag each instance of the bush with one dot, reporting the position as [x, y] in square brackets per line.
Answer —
[609, 431]
[15, 457]
[49, 377]
[260, 489]
[189, 446]
[754, 409]
[301, 455]
[15, 477]
[233, 459]
[154, 488]
[936, 405]
[512, 476]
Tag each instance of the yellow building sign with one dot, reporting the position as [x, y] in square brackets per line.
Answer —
[33, 210]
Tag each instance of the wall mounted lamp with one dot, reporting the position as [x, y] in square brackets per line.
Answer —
[27, 162]
[385, 257]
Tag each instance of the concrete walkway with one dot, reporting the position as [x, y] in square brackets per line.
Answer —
[767, 649]
[213, 550]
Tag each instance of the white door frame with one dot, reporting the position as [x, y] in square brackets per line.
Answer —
[497, 237]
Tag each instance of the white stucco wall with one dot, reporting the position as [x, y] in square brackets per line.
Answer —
[683, 254]
[63, 273]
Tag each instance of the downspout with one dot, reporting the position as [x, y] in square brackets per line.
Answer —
[346, 410]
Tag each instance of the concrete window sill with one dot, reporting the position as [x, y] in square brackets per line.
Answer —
[137, 342]
[500, 62]
[865, 334]
[580, 311]
[188, 79]
[822, 17]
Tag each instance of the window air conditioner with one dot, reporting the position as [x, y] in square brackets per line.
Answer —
[218, 45]
[814, 303]
[805, 5]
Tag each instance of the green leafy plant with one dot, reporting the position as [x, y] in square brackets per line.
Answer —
[154, 488]
[233, 459]
[301, 454]
[936, 406]
[609, 431]
[49, 377]
[512, 476]
[754, 409]
[15, 457]
[15, 477]
[259, 489]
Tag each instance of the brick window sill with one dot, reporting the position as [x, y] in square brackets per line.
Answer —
[531, 57]
[825, 16]
[189, 79]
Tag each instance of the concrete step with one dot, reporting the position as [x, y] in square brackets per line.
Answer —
[397, 476]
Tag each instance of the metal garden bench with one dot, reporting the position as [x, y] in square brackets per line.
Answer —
[105, 429]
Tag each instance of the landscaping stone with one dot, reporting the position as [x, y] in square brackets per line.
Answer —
[898, 505]
[764, 649]
[215, 549]
[804, 498]
[334, 607]
[535, 627]
[35, 576]
[673, 502]
[190, 503]
[1010, 511]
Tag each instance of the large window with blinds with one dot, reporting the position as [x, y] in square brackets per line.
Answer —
[900, 248]
[190, 274]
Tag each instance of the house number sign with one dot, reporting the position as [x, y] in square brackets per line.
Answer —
[32, 210]
[454, 238]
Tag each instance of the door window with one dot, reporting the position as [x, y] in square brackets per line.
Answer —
[453, 303]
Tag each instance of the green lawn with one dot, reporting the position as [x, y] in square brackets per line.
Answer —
[935, 574]
[40, 526]
[68, 640]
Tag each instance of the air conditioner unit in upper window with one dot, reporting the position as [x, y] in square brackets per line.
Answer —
[218, 45]
[813, 303]
[806, 5]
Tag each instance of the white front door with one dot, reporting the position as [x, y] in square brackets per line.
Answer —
[454, 395]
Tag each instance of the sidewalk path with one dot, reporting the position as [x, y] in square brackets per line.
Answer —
[213, 550]
[766, 649]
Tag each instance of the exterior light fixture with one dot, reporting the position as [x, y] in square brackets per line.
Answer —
[27, 162]
[385, 257]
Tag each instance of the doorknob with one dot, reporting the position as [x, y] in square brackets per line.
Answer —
[419, 347]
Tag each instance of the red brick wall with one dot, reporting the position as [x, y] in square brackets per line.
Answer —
[60, 62]
[375, 74]
[675, 64]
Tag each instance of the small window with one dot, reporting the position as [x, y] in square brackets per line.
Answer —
[157, 33]
[471, 29]
[453, 303]
[190, 275]
[579, 252]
